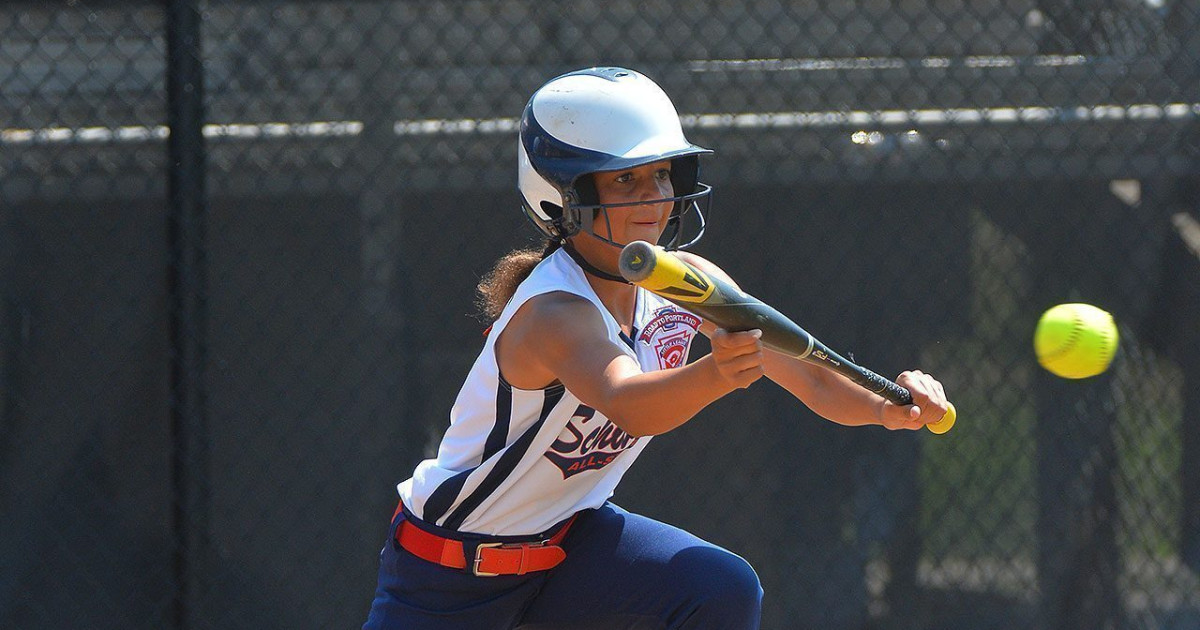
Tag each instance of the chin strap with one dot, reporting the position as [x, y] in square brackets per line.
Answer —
[589, 267]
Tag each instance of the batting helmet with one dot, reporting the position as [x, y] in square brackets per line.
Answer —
[598, 120]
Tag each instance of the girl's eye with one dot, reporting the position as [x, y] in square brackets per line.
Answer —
[663, 174]
[625, 178]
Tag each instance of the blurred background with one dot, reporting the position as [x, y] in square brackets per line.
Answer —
[239, 243]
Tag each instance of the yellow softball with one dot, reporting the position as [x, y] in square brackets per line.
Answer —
[1075, 340]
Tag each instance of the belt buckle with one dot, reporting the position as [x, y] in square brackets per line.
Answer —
[494, 545]
[479, 558]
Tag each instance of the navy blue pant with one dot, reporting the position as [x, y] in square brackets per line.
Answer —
[622, 570]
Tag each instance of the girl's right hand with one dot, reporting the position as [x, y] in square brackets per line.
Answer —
[738, 356]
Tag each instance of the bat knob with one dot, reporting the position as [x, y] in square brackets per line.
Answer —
[637, 261]
[946, 423]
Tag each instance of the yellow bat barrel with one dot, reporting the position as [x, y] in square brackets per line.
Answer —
[642, 264]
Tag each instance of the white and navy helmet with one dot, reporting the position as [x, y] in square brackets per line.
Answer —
[597, 120]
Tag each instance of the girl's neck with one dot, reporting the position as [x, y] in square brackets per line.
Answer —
[617, 297]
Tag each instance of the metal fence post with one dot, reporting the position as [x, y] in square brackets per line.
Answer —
[187, 210]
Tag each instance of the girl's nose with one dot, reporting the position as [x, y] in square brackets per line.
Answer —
[654, 189]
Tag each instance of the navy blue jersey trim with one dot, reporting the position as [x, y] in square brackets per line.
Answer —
[628, 340]
[504, 467]
[498, 436]
[553, 387]
[443, 496]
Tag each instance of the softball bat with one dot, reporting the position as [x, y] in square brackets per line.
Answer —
[664, 274]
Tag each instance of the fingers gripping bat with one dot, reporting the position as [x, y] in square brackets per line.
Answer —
[717, 301]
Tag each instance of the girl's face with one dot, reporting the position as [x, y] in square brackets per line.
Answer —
[642, 222]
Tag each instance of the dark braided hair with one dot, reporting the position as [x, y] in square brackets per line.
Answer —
[498, 286]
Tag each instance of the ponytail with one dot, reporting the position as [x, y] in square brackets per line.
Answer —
[498, 286]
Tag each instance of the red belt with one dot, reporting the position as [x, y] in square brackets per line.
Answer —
[491, 558]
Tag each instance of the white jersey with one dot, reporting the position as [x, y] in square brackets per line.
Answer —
[517, 461]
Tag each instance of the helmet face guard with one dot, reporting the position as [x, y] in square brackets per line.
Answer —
[687, 211]
[604, 120]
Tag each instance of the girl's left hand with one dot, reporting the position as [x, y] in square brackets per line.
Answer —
[928, 406]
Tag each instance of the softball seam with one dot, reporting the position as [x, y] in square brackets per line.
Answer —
[1072, 339]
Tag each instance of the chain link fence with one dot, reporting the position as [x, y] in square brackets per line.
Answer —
[236, 294]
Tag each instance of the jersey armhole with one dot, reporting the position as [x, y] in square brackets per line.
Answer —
[507, 317]
[549, 389]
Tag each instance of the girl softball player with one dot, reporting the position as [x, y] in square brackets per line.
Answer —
[510, 526]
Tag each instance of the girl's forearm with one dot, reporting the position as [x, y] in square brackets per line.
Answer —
[829, 394]
[652, 403]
